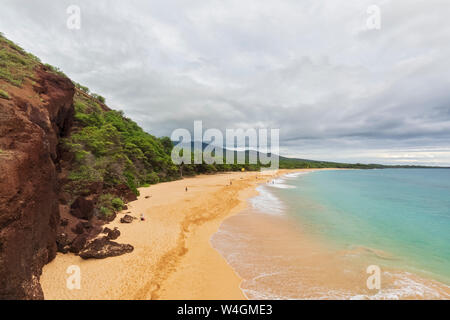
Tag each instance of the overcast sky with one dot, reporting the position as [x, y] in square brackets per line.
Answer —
[312, 68]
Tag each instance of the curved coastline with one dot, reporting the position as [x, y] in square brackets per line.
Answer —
[309, 253]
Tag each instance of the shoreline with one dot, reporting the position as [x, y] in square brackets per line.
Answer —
[173, 256]
[177, 257]
[275, 256]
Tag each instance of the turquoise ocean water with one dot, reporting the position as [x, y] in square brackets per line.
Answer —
[404, 213]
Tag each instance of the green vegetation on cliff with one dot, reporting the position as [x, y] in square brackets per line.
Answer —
[109, 149]
[112, 149]
[4, 94]
[15, 63]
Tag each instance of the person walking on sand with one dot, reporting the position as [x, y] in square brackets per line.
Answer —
[186, 189]
[142, 217]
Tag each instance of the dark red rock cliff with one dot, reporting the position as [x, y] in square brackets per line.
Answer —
[32, 120]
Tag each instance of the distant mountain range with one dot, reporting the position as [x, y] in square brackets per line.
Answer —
[298, 163]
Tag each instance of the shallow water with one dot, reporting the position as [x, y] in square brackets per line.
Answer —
[312, 236]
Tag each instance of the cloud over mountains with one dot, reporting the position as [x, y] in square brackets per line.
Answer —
[337, 90]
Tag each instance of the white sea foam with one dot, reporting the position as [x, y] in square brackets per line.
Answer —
[282, 186]
[261, 295]
[405, 286]
[267, 202]
[295, 174]
[280, 183]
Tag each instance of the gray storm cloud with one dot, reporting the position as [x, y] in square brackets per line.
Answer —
[336, 90]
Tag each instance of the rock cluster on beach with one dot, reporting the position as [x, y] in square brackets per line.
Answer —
[112, 234]
[86, 246]
[103, 247]
[79, 236]
[98, 248]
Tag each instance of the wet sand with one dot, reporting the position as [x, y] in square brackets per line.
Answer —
[278, 259]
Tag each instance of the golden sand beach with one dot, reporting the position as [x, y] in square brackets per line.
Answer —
[172, 257]
[176, 252]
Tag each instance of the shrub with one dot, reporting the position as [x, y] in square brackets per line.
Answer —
[55, 70]
[152, 178]
[98, 97]
[4, 94]
[109, 204]
[105, 204]
[80, 107]
[131, 181]
[106, 212]
[85, 173]
[82, 88]
[117, 204]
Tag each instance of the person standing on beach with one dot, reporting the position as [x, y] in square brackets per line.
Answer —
[186, 189]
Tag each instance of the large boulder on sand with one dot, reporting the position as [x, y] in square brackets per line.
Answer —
[113, 234]
[106, 230]
[127, 219]
[103, 248]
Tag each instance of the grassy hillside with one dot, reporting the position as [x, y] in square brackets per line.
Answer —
[292, 163]
[112, 149]
[15, 64]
